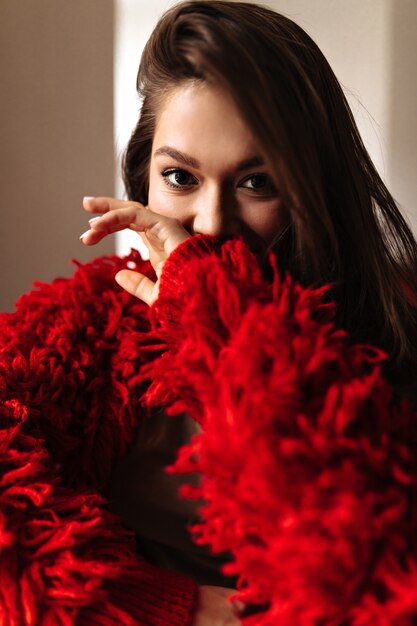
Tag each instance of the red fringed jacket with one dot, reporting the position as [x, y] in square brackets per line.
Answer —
[307, 462]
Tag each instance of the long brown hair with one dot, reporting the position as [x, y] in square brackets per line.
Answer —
[345, 226]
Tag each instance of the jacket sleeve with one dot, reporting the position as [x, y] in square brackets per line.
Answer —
[307, 457]
[69, 361]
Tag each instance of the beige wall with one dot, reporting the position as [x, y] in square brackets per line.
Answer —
[372, 47]
[402, 97]
[56, 125]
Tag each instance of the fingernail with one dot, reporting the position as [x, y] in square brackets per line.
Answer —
[88, 198]
[84, 234]
[94, 219]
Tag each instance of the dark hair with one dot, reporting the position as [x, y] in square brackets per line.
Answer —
[345, 226]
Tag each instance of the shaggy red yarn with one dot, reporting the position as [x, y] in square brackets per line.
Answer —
[307, 459]
[69, 362]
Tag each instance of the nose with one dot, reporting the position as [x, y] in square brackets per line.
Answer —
[216, 214]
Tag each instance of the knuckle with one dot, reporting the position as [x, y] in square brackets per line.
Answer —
[177, 222]
[157, 230]
[164, 227]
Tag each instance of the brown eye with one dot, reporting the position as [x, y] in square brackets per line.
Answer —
[259, 183]
[178, 178]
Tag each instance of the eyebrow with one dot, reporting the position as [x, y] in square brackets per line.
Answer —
[186, 159]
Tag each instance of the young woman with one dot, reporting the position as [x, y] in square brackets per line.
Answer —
[278, 301]
[322, 205]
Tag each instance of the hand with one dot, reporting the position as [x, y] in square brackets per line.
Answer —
[214, 609]
[160, 234]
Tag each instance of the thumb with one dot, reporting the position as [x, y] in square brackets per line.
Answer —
[138, 285]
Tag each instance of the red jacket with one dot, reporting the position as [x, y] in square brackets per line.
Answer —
[307, 462]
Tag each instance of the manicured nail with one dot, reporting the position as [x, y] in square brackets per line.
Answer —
[84, 234]
[94, 219]
[88, 198]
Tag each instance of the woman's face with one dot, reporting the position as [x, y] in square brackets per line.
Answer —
[206, 169]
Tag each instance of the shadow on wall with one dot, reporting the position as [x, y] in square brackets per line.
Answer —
[402, 160]
[56, 72]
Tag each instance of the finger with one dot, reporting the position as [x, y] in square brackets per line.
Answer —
[239, 607]
[162, 231]
[154, 255]
[138, 285]
[111, 222]
[103, 204]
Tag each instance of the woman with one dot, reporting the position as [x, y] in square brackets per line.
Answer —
[342, 225]
[245, 146]
[286, 171]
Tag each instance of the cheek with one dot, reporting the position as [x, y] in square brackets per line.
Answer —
[159, 200]
[154, 190]
[164, 201]
[267, 220]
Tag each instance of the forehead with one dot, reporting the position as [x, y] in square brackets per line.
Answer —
[203, 120]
